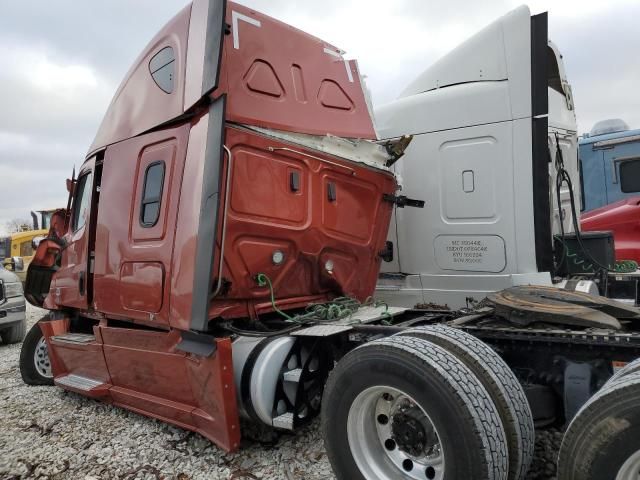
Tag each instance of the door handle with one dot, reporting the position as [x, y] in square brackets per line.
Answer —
[81, 284]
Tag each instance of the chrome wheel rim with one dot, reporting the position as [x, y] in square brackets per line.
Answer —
[41, 359]
[391, 437]
[630, 469]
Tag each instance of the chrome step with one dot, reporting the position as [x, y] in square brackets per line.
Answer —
[77, 338]
[78, 382]
[293, 375]
[284, 421]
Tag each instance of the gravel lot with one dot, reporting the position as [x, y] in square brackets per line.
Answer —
[52, 434]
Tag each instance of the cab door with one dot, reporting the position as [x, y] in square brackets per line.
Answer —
[70, 286]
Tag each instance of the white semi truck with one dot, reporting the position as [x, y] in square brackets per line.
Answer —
[485, 119]
[494, 157]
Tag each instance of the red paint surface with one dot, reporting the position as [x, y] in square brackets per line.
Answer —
[49, 329]
[265, 215]
[146, 374]
[139, 104]
[280, 78]
[73, 266]
[133, 264]
[623, 219]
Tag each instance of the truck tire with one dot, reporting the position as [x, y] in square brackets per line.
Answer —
[35, 366]
[401, 407]
[603, 440]
[14, 334]
[627, 369]
[501, 384]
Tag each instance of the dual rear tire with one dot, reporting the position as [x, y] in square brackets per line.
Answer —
[409, 407]
[500, 383]
[602, 441]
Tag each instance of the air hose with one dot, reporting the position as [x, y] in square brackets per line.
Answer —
[263, 281]
[339, 308]
[562, 176]
[621, 266]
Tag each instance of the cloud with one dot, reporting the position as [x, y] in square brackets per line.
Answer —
[62, 61]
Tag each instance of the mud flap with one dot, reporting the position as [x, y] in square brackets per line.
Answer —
[578, 388]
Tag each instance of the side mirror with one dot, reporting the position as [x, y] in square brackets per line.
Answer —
[70, 184]
[17, 263]
[36, 241]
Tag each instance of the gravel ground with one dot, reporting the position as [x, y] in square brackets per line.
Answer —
[48, 433]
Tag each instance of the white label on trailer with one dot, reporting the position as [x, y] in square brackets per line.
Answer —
[472, 253]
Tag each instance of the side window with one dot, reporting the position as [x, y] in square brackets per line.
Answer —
[162, 67]
[553, 72]
[630, 176]
[81, 203]
[152, 194]
[26, 249]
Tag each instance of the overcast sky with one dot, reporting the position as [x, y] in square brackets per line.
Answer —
[61, 61]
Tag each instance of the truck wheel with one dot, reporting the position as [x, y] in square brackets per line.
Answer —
[627, 369]
[401, 407]
[35, 366]
[603, 439]
[14, 334]
[501, 384]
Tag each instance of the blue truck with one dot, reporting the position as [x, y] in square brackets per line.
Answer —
[609, 164]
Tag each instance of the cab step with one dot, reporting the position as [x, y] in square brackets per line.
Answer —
[84, 385]
[77, 338]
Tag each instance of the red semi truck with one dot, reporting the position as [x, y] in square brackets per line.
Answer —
[192, 188]
[218, 253]
[623, 219]
[223, 237]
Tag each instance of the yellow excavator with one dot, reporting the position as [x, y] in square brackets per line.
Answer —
[16, 249]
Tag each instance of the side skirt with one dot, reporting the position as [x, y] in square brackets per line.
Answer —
[142, 371]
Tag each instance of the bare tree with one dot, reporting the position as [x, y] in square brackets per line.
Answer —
[18, 225]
